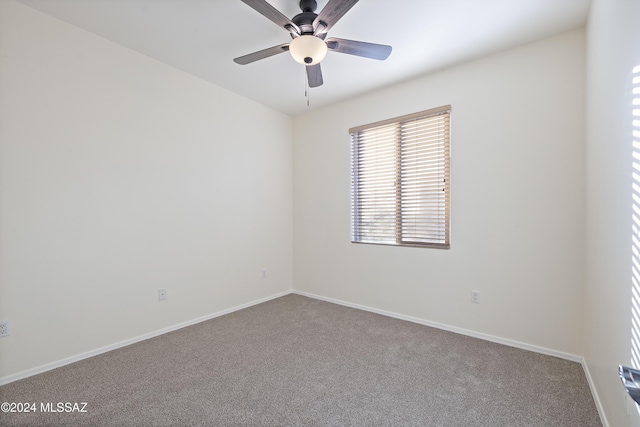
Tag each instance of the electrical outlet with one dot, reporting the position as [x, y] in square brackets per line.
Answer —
[162, 294]
[475, 297]
[264, 274]
[4, 328]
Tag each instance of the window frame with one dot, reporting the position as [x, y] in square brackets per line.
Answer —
[403, 208]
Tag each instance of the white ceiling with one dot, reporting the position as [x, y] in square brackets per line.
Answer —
[201, 37]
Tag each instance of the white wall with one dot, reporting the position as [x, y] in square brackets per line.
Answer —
[119, 176]
[517, 186]
[613, 40]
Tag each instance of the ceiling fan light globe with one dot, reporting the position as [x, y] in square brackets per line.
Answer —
[308, 50]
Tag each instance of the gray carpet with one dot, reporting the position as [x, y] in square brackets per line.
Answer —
[300, 361]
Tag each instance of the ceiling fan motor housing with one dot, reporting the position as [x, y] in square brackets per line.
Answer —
[304, 21]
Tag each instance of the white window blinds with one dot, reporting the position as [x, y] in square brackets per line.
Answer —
[400, 180]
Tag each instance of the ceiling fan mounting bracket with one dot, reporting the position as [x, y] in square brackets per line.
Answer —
[308, 5]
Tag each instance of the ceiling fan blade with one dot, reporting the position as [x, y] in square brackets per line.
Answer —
[314, 75]
[330, 14]
[261, 54]
[352, 47]
[271, 13]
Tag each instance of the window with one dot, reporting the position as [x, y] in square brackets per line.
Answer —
[400, 180]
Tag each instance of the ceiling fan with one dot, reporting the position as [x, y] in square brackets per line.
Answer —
[308, 31]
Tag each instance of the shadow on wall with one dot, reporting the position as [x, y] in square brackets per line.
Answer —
[635, 236]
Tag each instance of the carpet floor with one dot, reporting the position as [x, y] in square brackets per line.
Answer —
[297, 361]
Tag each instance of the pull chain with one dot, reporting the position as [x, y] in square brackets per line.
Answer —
[307, 90]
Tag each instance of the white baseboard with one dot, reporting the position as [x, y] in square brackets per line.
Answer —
[594, 393]
[486, 337]
[510, 343]
[68, 360]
